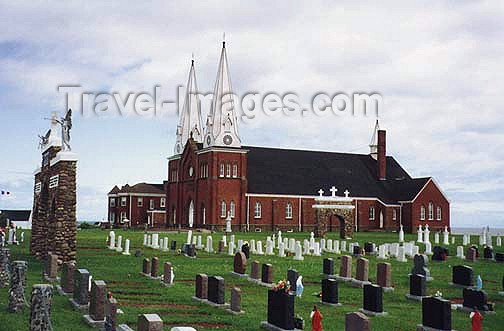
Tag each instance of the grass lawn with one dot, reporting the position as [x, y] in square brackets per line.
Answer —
[137, 294]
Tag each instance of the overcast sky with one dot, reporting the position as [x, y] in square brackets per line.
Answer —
[438, 66]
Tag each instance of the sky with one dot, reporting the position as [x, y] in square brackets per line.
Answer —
[437, 65]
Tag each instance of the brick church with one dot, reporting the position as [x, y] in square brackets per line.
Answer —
[212, 176]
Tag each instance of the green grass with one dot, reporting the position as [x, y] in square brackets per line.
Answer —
[137, 294]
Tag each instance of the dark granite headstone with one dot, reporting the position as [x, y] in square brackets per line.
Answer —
[240, 263]
[420, 263]
[488, 253]
[368, 248]
[281, 309]
[328, 266]
[439, 253]
[216, 290]
[373, 298]
[81, 286]
[146, 267]
[201, 286]
[418, 285]
[267, 273]
[254, 270]
[476, 298]
[477, 250]
[67, 276]
[356, 250]
[246, 250]
[462, 275]
[436, 313]
[173, 246]
[357, 322]
[292, 276]
[499, 257]
[191, 250]
[330, 291]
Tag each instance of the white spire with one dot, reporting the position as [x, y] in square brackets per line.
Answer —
[222, 122]
[190, 118]
[373, 145]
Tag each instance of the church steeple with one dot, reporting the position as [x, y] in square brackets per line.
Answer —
[222, 122]
[373, 145]
[190, 118]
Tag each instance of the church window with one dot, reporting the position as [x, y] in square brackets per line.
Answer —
[439, 213]
[228, 170]
[163, 202]
[174, 215]
[235, 170]
[140, 202]
[123, 202]
[288, 210]
[371, 213]
[394, 214]
[431, 211]
[112, 218]
[203, 215]
[257, 210]
[151, 204]
[422, 212]
[223, 209]
[221, 170]
[112, 202]
[232, 208]
[123, 216]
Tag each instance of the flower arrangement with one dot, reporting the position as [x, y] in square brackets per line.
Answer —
[283, 286]
[438, 294]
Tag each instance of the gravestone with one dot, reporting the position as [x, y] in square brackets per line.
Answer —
[236, 296]
[420, 263]
[146, 267]
[4, 267]
[167, 274]
[362, 269]
[81, 288]
[17, 300]
[499, 257]
[150, 322]
[330, 291]
[173, 245]
[345, 268]
[267, 273]
[222, 246]
[373, 300]
[328, 267]
[67, 277]
[356, 251]
[384, 275]
[357, 321]
[52, 267]
[96, 317]
[462, 275]
[436, 313]
[254, 270]
[216, 290]
[40, 307]
[292, 277]
[154, 267]
[488, 253]
[201, 287]
[471, 254]
[110, 314]
[418, 288]
[440, 254]
[281, 309]
[240, 263]
[191, 250]
[369, 248]
[246, 250]
[476, 298]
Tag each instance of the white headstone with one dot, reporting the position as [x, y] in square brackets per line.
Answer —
[465, 240]
[400, 256]
[281, 249]
[453, 240]
[394, 250]
[426, 234]
[239, 245]
[199, 243]
[145, 239]
[322, 245]
[329, 245]
[306, 247]
[228, 223]
[316, 249]
[298, 256]
[269, 247]
[460, 252]
[428, 248]
[401, 234]
[279, 238]
[415, 250]
[155, 241]
[224, 239]
[381, 252]
[499, 241]
[189, 237]
[420, 234]
[253, 246]
[343, 246]
[161, 243]
[336, 247]
[209, 245]
[446, 236]
[436, 238]
[165, 244]
[119, 244]
[259, 250]
[149, 241]
[231, 249]
[127, 247]
[292, 245]
[112, 240]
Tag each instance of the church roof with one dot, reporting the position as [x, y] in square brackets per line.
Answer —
[17, 215]
[301, 172]
[145, 188]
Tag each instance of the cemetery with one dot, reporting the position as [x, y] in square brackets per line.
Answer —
[132, 280]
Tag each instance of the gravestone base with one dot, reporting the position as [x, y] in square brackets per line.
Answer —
[427, 279]
[217, 305]
[331, 304]
[253, 280]
[373, 313]
[420, 327]
[166, 284]
[268, 285]
[62, 292]
[501, 293]
[388, 289]
[300, 258]
[415, 297]
[470, 310]
[326, 276]
[267, 326]
[191, 257]
[78, 307]
[461, 286]
[51, 280]
[238, 275]
[93, 323]
[359, 283]
[199, 299]
[241, 312]
[343, 279]
[144, 274]
[155, 278]
[124, 327]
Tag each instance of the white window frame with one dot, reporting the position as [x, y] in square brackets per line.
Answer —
[163, 203]
[431, 211]
[232, 209]
[394, 214]
[38, 188]
[228, 170]
[54, 181]
[372, 213]
[221, 170]
[223, 209]
[112, 203]
[151, 204]
[257, 210]
[139, 202]
[123, 216]
[124, 201]
[112, 217]
[422, 213]
[235, 170]
[288, 211]
[439, 213]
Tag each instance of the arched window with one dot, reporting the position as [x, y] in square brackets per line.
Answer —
[232, 209]
[422, 213]
[221, 170]
[228, 170]
[439, 213]
[235, 170]
[223, 209]
[431, 211]
[257, 210]
[174, 215]
[371, 213]
[394, 214]
[288, 210]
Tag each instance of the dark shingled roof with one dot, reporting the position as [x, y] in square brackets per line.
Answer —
[300, 172]
[143, 188]
[17, 215]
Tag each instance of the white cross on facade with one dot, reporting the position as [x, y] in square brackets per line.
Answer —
[346, 193]
[320, 192]
[333, 191]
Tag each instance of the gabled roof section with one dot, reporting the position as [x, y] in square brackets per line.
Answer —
[115, 190]
[17, 215]
[144, 188]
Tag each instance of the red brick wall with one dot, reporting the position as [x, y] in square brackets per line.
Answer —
[431, 194]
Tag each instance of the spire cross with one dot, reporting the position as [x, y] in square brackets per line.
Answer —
[333, 191]
[320, 192]
[346, 193]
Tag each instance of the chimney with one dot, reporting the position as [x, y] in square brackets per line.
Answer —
[382, 155]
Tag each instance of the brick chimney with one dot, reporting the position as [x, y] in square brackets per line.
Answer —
[381, 163]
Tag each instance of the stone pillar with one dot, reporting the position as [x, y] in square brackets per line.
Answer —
[67, 277]
[97, 302]
[40, 307]
[17, 300]
[4, 267]
[150, 322]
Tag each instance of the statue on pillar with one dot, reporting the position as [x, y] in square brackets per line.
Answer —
[66, 126]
